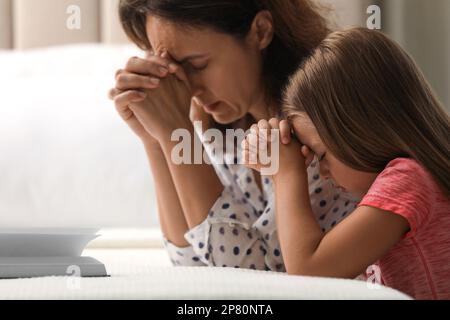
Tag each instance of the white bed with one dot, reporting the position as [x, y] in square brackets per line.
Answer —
[147, 274]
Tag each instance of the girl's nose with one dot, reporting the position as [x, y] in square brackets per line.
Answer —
[324, 172]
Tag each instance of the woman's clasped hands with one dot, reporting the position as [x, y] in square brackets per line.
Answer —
[153, 97]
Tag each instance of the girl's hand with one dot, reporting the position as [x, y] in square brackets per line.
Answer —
[152, 96]
[260, 151]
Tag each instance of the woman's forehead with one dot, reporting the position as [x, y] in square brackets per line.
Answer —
[178, 40]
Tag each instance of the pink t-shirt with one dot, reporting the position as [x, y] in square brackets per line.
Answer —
[419, 265]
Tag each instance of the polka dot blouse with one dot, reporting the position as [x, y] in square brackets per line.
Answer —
[240, 230]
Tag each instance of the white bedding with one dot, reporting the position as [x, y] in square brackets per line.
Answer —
[147, 274]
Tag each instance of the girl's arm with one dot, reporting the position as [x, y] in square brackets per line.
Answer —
[347, 250]
[344, 252]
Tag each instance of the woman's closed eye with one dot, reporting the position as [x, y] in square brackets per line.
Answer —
[195, 68]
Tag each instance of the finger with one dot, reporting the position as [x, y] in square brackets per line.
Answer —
[308, 155]
[285, 132]
[130, 81]
[149, 53]
[153, 65]
[252, 140]
[247, 162]
[263, 128]
[263, 124]
[254, 129]
[113, 93]
[245, 152]
[244, 144]
[119, 72]
[197, 113]
[123, 100]
[274, 123]
[175, 68]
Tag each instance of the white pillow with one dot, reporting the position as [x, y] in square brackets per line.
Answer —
[66, 157]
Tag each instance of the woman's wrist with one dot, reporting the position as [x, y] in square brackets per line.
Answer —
[150, 142]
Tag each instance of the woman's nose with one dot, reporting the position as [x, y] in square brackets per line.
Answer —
[196, 91]
[196, 85]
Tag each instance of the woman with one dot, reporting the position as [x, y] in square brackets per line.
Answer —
[225, 63]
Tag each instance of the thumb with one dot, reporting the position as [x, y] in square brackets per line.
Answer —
[175, 68]
[308, 154]
[197, 113]
[148, 54]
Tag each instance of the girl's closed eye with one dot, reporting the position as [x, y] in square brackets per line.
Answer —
[322, 157]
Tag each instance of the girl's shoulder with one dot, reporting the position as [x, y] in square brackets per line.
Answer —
[406, 164]
[406, 188]
[407, 170]
[408, 176]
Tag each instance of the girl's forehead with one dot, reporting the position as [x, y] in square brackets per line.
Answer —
[306, 131]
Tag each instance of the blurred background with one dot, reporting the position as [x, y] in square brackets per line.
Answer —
[67, 160]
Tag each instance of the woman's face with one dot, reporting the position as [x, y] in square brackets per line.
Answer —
[225, 74]
[349, 180]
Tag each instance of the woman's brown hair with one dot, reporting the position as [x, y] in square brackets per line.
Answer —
[299, 27]
[371, 104]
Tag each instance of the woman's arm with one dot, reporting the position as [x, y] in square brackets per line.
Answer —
[197, 186]
[138, 100]
[171, 215]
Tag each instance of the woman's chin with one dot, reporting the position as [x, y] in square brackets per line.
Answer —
[224, 119]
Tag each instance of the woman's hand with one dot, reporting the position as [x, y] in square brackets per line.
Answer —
[291, 156]
[152, 96]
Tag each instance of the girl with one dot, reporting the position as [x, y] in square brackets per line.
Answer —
[360, 104]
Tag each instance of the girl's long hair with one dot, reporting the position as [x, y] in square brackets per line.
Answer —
[371, 104]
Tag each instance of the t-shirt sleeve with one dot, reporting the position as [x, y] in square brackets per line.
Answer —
[406, 189]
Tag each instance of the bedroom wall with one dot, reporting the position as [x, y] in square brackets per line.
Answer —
[5, 24]
[111, 30]
[44, 23]
[423, 29]
[27, 24]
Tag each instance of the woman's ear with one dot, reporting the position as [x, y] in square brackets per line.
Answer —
[262, 30]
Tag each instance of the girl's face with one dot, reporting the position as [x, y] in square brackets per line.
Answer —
[225, 74]
[349, 180]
